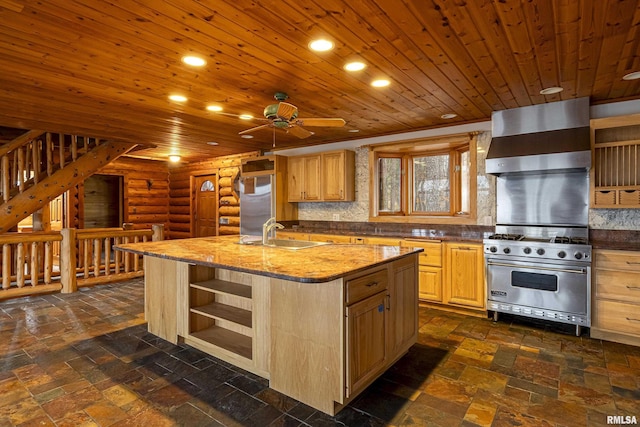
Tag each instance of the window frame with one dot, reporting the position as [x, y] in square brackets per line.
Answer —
[454, 145]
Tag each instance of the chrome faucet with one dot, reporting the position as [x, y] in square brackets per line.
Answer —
[269, 225]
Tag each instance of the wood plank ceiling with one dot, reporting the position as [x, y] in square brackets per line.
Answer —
[106, 68]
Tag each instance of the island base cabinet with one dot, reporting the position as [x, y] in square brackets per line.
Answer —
[307, 342]
[160, 295]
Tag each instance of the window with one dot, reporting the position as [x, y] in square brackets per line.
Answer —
[425, 180]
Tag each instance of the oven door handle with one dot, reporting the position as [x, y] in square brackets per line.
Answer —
[537, 267]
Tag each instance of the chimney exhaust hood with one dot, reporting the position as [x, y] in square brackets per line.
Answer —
[542, 138]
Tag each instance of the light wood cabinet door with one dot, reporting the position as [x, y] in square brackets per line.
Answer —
[338, 171]
[464, 275]
[430, 283]
[311, 181]
[295, 176]
[366, 341]
[303, 178]
[403, 308]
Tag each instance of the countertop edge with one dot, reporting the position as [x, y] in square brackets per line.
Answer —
[299, 279]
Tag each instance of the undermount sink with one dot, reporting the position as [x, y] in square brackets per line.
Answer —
[293, 244]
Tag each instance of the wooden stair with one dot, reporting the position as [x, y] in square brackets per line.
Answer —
[36, 167]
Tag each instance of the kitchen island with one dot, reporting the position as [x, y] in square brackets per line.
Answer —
[320, 323]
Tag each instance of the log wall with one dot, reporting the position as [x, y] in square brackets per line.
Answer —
[146, 191]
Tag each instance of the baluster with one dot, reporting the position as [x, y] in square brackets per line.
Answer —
[136, 257]
[96, 257]
[35, 160]
[20, 151]
[6, 266]
[61, 149]
[35, 267]
[74, 148]
[48, 261]
[86, 258]
[20, 264]
[28, 149]
[107, 256]
[49, 156]
[117, 257]
[85, 141]
[127, 257]
[6, 178]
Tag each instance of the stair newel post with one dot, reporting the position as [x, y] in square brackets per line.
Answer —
[158, 232]
[68, 256]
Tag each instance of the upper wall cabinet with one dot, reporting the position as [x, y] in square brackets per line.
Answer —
[615, 169]
[322, 177]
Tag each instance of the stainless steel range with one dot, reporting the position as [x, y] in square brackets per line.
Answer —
[538, 261]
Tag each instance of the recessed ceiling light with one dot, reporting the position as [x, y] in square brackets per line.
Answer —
[214, 108]
[551, 90]
[354, 130]
[178, 98]
[448, 116]
[245, 116]
[194, 61]
[632, 76]
[212, 143]
[246, 136]
[380, 83]
[321, 45]
[174, 158]
[355, 66]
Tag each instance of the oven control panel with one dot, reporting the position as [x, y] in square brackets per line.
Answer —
[544, 250]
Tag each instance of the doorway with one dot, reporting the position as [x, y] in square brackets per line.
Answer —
[102, 202]
[206, 219]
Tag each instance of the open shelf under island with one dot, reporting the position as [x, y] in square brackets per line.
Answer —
[320, 323]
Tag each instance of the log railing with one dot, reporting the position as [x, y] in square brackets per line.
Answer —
[87, 258]
[27, 264]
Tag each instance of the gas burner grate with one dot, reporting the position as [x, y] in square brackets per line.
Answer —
[504, 236]
[570, 240]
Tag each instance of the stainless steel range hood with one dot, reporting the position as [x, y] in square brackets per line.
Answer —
[540, 138]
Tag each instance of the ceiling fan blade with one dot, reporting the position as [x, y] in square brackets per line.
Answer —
[286, 111]
[298, 131]
[326, 122]
[254, 129]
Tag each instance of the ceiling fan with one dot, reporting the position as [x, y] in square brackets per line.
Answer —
[284, 116]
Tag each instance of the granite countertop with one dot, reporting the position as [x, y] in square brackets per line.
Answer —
[311, 265]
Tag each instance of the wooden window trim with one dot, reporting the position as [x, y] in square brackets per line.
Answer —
[454, 144]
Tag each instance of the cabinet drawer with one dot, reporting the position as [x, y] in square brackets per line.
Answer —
[617, 317]
[364, 286]
[620, 285]
[432, 254]
[617, 260]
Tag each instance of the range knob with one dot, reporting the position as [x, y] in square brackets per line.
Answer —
[493, 249]
[527, 250]
[506, 250]
[562, 254]
[578, 255]
[540, 251]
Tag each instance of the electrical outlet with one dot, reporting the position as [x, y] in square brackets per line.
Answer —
[336, 217]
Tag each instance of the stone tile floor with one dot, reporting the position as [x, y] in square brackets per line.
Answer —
[85, 359]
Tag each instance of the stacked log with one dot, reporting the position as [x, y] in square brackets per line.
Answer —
[229, 201]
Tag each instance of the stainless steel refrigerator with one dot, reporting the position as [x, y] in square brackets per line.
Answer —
[257, 203]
